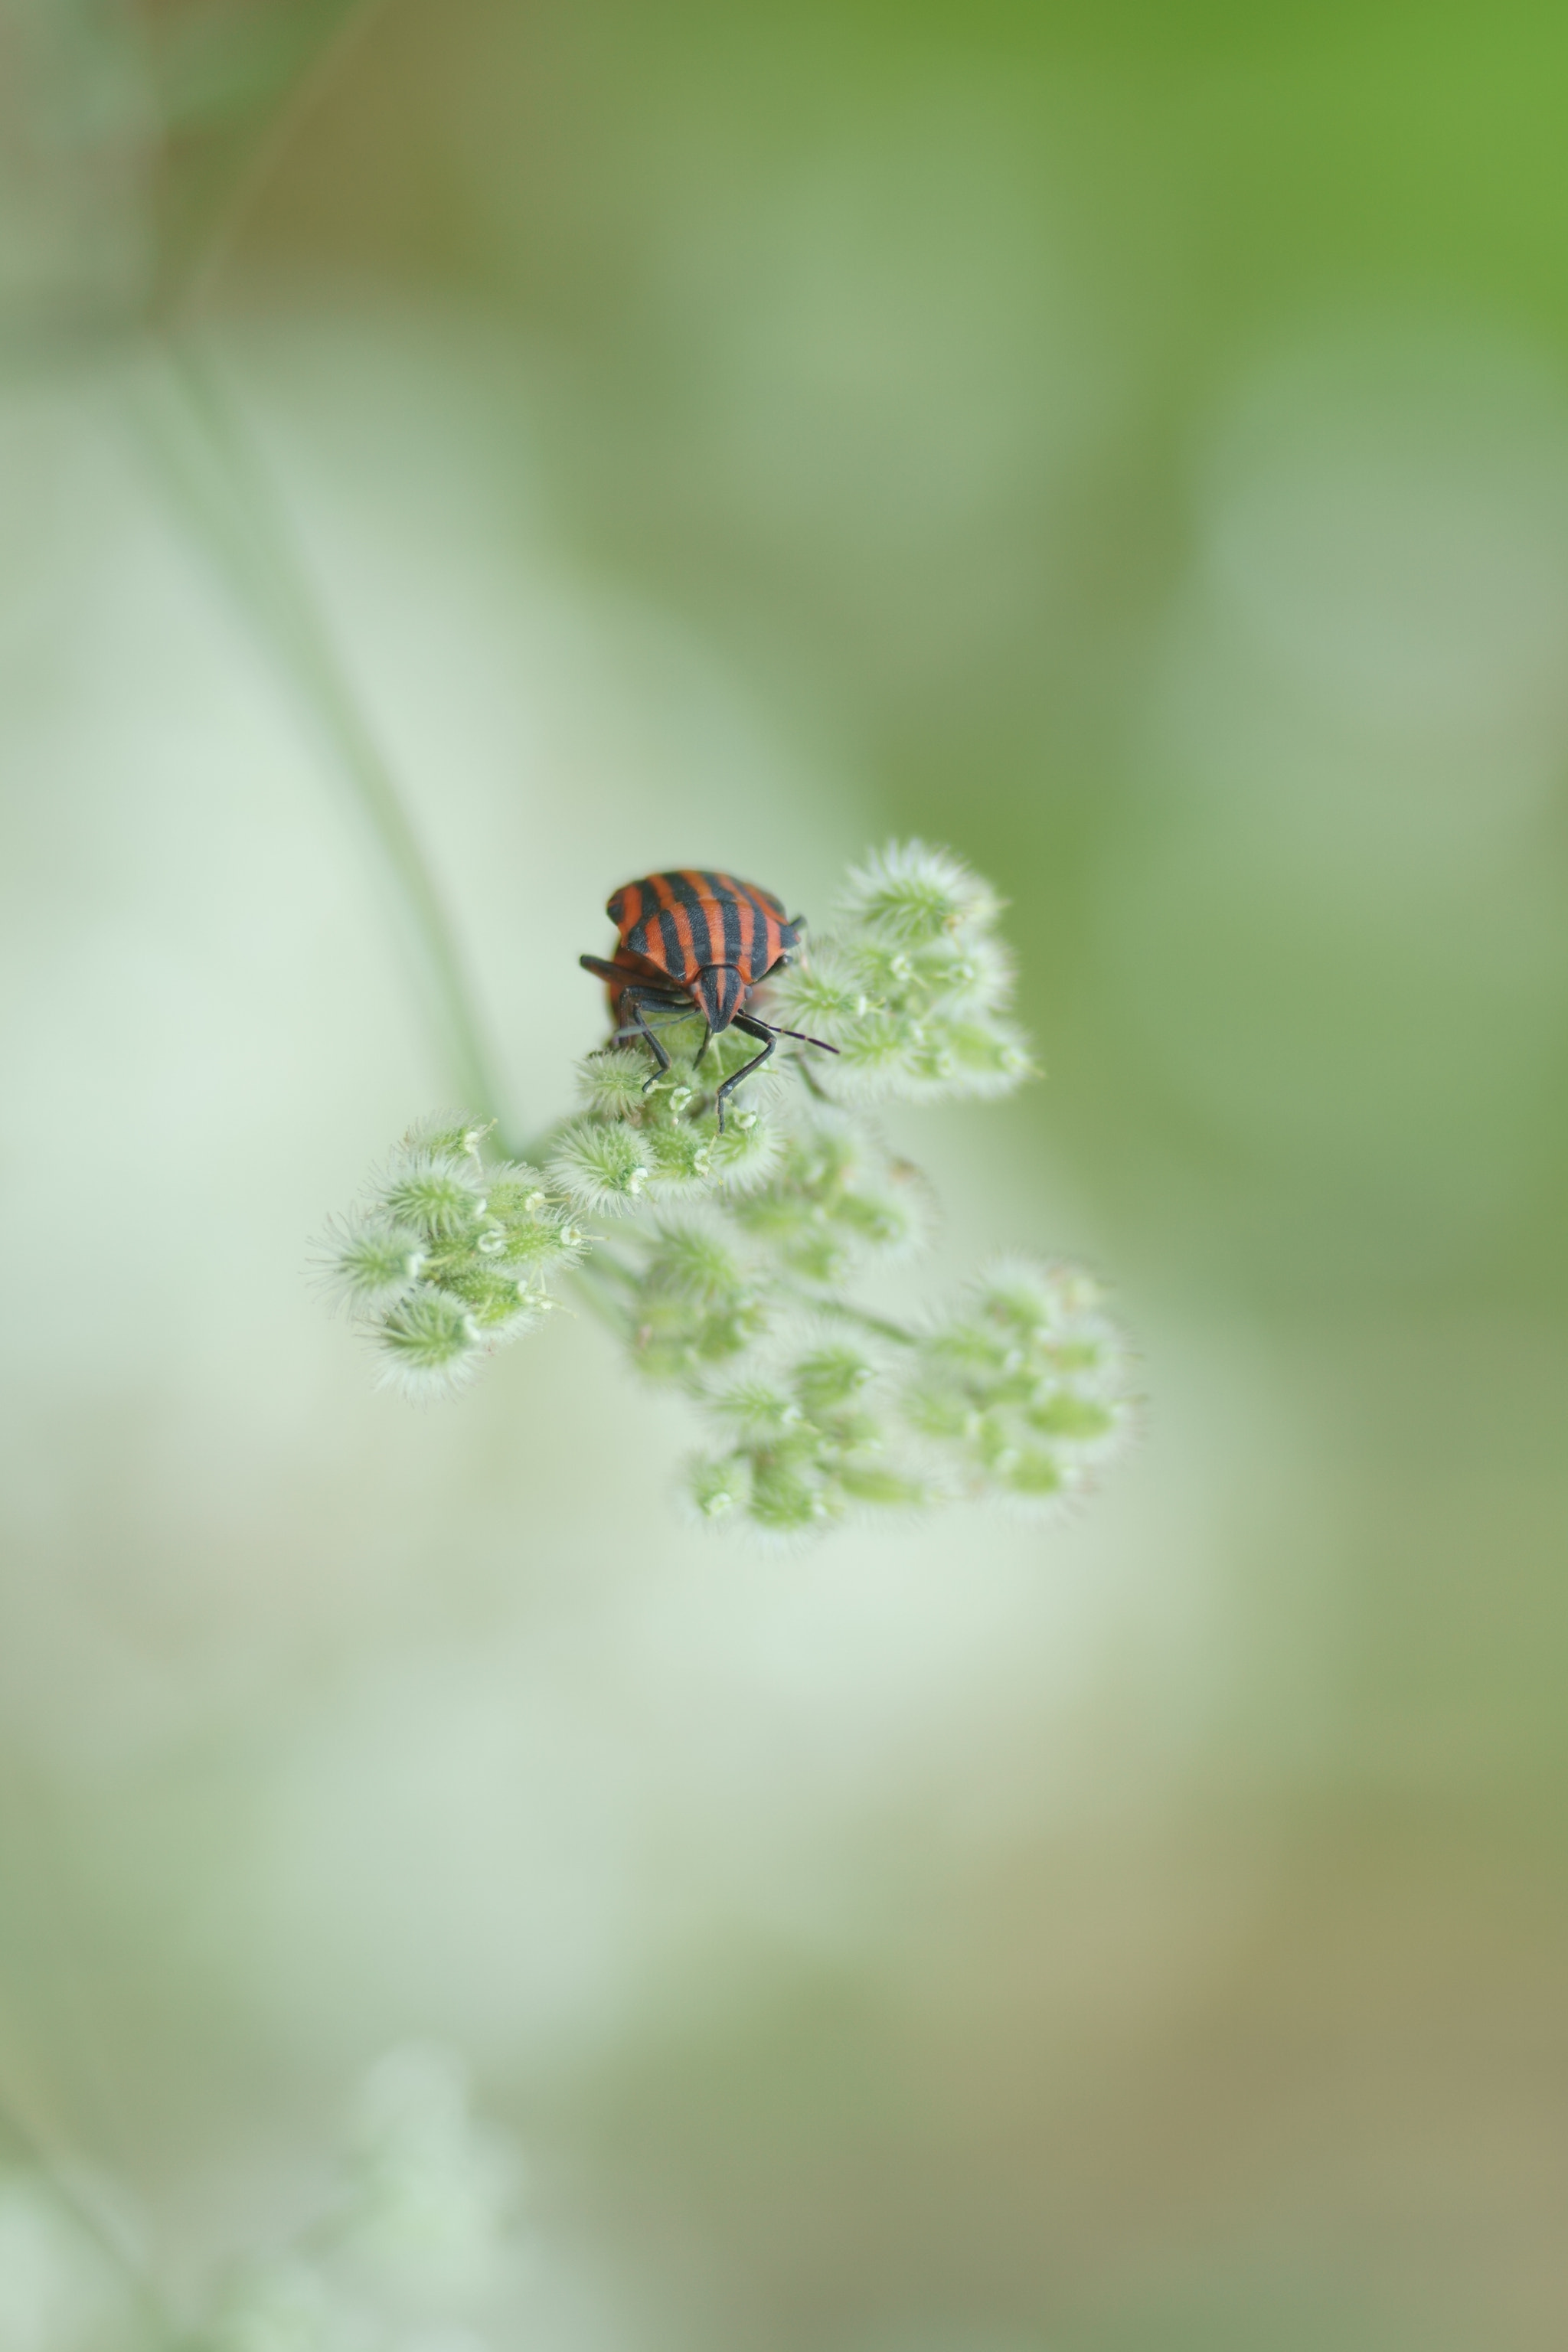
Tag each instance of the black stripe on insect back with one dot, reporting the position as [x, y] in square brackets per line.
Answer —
[684, 886]
[757, 955]
[729, 908]
[674, 962]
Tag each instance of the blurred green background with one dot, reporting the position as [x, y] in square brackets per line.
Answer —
[1128, 443]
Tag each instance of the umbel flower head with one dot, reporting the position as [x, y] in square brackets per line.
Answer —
[723, 1253]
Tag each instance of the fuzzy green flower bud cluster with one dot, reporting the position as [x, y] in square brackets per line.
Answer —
[446, 1257]
[646, 1136]
[801, 1441]
[911, 983]
[724, 1260]
[1023, 1392]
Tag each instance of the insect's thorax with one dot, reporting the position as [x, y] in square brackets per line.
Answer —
[718, 992]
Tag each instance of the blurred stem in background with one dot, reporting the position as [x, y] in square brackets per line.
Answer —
[100, 99]
[205, 456]
[141, 138]
[208, 457]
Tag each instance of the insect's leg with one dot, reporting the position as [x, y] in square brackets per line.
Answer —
[637, 1027]
[753, 1028]
[642, 996]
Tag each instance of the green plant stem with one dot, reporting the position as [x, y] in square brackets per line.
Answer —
[824, 1304]
[210, 463]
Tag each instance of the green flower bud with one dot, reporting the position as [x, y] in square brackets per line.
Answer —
[438, 1193]
[786, 1500]
[613, 1081]
[909, 895]
[747, 1154]
[719, 1483]
[885, 1489]
[680, 1156]
[831, 1376]
[824, 994]
[696, 1262]
[431, 1340]
[757, 1412]
[514, 1191]
[601, 1164]
[459, 1138]
[534, 1244]
[369, 1263]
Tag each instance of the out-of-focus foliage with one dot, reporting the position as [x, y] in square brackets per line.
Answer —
[1127, 441]
[415, 2238]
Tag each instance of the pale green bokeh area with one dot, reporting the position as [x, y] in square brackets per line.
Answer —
[1129, 445]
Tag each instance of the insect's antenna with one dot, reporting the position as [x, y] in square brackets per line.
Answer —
[800, 1035]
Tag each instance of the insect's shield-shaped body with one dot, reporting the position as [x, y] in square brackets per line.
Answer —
[693, 936]
[705, 935]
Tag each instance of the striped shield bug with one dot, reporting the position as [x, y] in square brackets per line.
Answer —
[696, 941]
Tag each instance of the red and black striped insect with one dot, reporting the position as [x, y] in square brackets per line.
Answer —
[690, 939]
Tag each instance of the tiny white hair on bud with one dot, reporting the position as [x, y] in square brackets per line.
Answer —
[614, 1080]
[439, 1194]
[362, 1262]
[747, 1155]
[909, 893]
[451, 1135]
[600, 1164]
[694, 1258]
[718, 1486]
[430, 1341]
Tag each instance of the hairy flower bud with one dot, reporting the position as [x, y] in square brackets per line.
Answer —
[601, 1164]
[432, 1340]
[909, 895]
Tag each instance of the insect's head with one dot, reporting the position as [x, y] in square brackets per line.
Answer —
[719, 992]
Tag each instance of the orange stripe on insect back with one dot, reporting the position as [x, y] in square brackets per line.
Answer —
[684, 938]
[705, 916]
[663, 895]
[630, 914]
